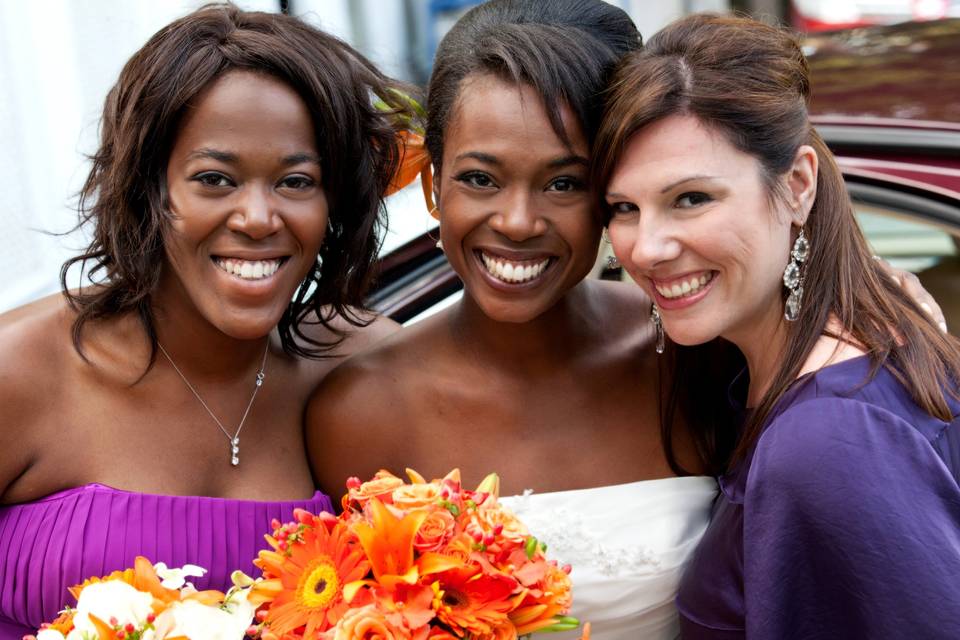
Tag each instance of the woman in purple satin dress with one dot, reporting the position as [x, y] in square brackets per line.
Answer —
[234, 205]
[839, 515]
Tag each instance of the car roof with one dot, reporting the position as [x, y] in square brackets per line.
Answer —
[906, 74]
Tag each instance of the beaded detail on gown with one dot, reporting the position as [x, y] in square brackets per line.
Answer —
[51, 544]
[628, 545]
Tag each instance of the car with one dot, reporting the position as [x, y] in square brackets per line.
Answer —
[887, 101]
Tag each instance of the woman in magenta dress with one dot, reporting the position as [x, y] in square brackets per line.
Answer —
[839, 514]
[234, 204]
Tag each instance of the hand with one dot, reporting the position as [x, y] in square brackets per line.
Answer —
[910, 284]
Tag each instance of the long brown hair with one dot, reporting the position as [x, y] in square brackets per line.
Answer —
[124, 197]
[750, 82]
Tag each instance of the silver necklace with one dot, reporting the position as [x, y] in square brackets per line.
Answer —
[235, 438]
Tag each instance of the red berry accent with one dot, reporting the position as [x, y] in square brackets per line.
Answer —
[121, 635]
[274, 524]
[151, 617]
[252, 631]
[282, 545]
[261, 615]
[129, 628]
[302, 516]
[477, 536]
[567, 568]
[353, 482]
[498, 529]
[489, 539]
[113, 621]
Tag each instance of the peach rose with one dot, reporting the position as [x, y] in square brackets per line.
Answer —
[415, 496]
[435, 532]
[382, 485]
[491, 519]
[365, 623]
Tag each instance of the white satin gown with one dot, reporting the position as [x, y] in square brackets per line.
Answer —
[628, 545]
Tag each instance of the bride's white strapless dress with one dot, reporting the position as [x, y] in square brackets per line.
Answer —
[628, 545]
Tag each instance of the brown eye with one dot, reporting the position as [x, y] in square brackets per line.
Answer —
[692, 199]
[212, 179]
[565, 184]
[476, 179]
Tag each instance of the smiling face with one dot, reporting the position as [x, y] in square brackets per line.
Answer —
[694, 224]
[516, 217]
[248, 207]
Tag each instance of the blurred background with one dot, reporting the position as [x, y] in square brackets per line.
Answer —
[58, 59]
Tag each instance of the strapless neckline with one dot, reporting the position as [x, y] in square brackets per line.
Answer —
[98, 486]
[628, 544]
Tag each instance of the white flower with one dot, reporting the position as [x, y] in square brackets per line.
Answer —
[110, 599]
[172, 578]
[49, 634]
[195, 620]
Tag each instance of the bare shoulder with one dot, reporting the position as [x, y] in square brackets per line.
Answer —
[357, 415]
[623, 311]
[35, 345]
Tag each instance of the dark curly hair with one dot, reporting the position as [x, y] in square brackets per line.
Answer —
[125, 194]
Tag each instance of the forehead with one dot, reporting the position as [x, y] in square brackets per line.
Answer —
[250, 110]
[673, 147]
[501, 117]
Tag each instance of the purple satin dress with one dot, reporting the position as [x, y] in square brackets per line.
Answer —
[843, 521]
[61, 540]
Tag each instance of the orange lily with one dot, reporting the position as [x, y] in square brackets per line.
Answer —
[387, 542]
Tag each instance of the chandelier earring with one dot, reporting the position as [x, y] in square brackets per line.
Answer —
[658, 325]
[793, 276]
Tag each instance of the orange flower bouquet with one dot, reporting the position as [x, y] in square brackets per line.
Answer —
[419, 560]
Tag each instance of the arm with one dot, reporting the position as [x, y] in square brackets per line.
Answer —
[851, 528]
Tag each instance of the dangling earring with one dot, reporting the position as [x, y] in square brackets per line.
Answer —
[658, 324]
[612, 262]
[435, 213]
[793, 277]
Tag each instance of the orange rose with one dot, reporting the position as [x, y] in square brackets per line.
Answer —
[435, 532]
[558, 587]
[365, 623]
[415, 496]
[382, 485]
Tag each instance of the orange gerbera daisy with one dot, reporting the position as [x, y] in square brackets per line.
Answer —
[474, 601]
[308, 580]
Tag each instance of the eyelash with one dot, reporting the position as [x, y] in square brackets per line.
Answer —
[216, 180]
[470, 179]
[699, 198]
[575, 184]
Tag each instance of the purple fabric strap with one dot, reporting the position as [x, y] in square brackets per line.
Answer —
[54, 543]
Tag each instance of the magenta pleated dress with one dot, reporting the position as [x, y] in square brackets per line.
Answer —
[51, 544]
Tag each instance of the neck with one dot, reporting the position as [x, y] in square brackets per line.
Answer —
[198, 348]
[763, 345]
[537, 344]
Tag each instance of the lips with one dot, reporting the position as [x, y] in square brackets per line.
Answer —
[514, 270]
[684, 286]
[249, 269]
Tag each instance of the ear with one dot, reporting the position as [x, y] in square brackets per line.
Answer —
[802, 183]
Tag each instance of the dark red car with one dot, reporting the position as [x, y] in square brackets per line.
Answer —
[887, 101]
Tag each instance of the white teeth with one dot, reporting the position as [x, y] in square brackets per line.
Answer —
[513, 272]
[248, 269]
[685, 287]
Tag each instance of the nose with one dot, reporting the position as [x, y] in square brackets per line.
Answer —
[654, 242]
[255, 214]
[518, 218]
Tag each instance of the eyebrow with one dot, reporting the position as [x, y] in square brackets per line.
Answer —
[564, 161]
[673, 185]
[232, 158]
[479, 155]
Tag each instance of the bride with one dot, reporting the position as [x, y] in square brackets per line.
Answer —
[549, 379]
